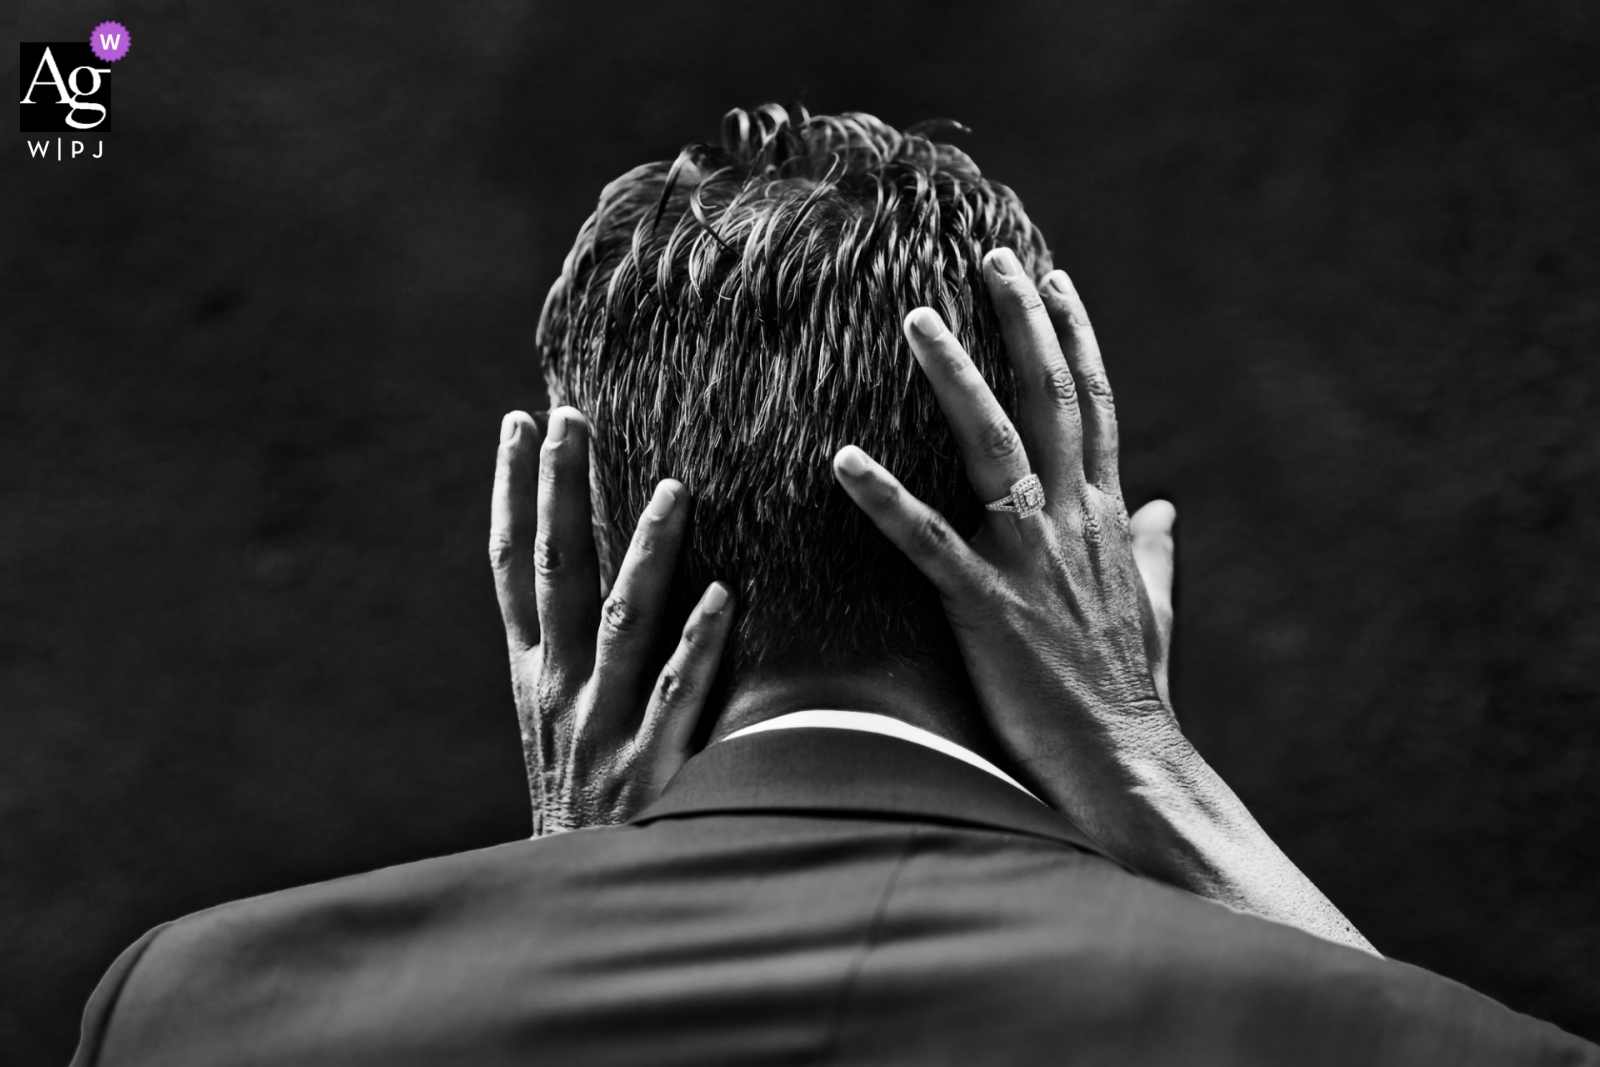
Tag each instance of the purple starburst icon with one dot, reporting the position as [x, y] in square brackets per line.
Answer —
[110, 41]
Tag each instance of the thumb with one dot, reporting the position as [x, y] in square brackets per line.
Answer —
[1153, 548]
[1153, 554]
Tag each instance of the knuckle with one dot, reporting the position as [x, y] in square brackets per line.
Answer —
[694, 637]
[1093, 534]
[672, 686]
[1092, 529]
[998, 440]
[618, 615]
[1027, 299]
[647, 535]
[1098, 386]
[931, 535]
[1059, 385]
[548, 558]
[500, 550]
[885, 495]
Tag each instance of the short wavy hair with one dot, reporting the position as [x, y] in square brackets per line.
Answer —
[733, 317]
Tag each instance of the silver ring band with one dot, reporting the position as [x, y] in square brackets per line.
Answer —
[1025, 499]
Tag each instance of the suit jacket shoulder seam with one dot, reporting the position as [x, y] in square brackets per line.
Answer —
[869, 942]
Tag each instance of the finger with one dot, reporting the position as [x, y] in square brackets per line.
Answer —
[685, 682]
[513, 524]
[990, 446]
[1047, 397]
[912, 526]
[1153, 552]
[630, 619]
[1099, 415]
[567, 573]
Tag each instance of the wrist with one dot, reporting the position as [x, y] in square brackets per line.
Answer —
[1116, 751]
[1136, 784]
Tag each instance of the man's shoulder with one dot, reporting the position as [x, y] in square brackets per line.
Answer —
[884, 926]
[371, 907]
[188, 980]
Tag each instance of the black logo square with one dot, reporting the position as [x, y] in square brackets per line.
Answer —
[66, 88]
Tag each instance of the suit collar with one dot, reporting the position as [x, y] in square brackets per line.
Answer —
[850, 772]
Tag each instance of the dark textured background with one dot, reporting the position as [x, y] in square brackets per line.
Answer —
[1343, 264]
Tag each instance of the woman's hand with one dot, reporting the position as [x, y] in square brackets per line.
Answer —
[601, 739]
[1047, 608]
[1065, 645]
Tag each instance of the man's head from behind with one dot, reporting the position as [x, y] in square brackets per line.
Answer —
[732, 318]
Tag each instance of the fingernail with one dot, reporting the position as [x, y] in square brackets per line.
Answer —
[853, 461]
[1058, 280]
[1004, 262]
[714, 599]
[662, 502]
[558, 428]
[509, 427]
[927, 324]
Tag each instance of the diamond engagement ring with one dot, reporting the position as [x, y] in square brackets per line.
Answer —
[1026, 498]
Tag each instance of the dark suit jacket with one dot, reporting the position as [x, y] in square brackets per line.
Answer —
[797, 896]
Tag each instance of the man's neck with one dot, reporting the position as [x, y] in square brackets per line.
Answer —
[939, 701]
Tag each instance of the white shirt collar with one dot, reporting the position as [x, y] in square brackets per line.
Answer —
[879, 724]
